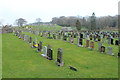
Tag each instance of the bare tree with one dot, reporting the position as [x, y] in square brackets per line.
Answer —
[20, 22]
[38, 20]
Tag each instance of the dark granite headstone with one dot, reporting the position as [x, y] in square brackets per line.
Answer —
[102, 49]
[40, 46]
[30, 39]
[81, 35]
[60, 57]
[112, 41]
[116, 42]
[49, 53]
[80, 42]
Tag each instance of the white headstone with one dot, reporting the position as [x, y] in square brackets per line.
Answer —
[44, 52]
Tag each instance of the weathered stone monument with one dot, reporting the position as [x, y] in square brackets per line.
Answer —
[40, 46]
[60, 57]
[87, 43]
[99, 46]
[49, 53]
[110, 51]
[30, 39]
[92, 45]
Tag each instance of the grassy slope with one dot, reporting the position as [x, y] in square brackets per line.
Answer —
[0, 56]
[20, 60]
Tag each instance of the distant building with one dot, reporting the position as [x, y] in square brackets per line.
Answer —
[66, 29]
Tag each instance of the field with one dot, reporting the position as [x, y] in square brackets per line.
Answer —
[22, 61]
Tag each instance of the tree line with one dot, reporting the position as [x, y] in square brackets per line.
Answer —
[88, 22]
[100, 22]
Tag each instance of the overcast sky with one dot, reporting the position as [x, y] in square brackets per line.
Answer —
[10, 10]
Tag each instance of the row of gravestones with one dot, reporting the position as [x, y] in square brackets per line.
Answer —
[73, 35]
[91, 44]
[47, 51]
[95, 34]
[101, 48]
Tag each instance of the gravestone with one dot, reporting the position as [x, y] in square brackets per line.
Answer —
[59, 36]
[102, 49]
[110, 51]
[118, 54]
[116, 42]
[87, 37]
[40, 46]
[72, 40]
[112, 41]
[91, 37]
[94, 38]
[25, 37]
[80, 42]
[54, 36]
[44, 52]
[99, 38]
[30, 39]
[60, 57]
[81, 35]
[64, 37]
[99, 46]
[91, 45]
[104, 40]
[49, 53]
[84, 36]
[87, 43]
[109, 40]
[75, 35]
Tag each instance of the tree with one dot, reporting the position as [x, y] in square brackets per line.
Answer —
[78, 25]
[93, 22]
[38, 21]
[20, 22]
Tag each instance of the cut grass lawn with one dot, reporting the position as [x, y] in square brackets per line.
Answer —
[22, 61]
